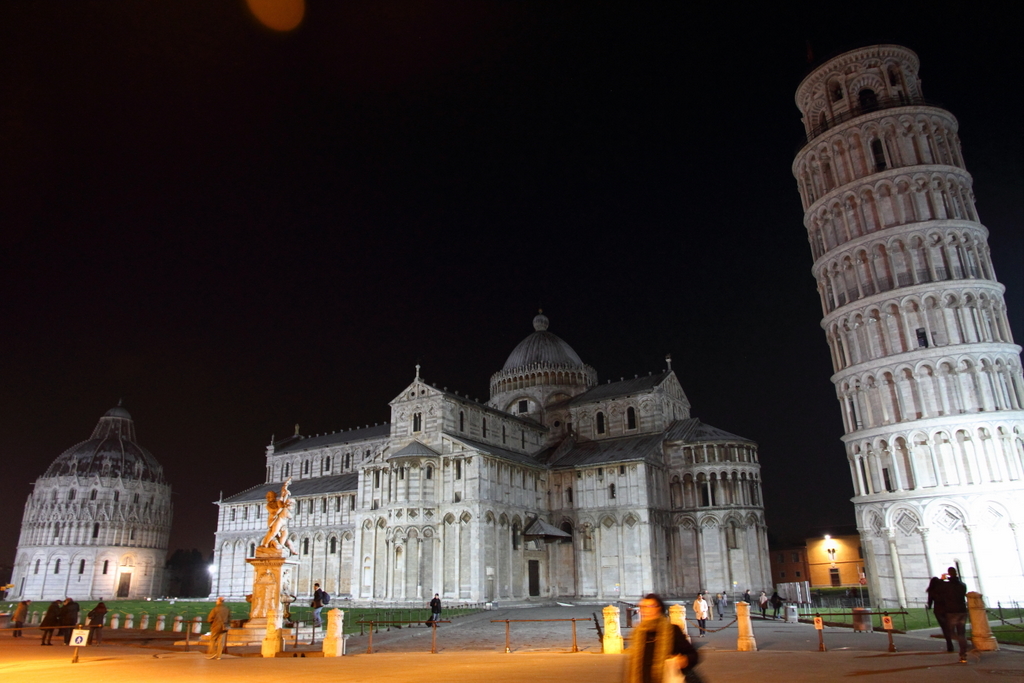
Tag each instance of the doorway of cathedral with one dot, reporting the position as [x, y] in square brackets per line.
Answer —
[534, 572]
[123, 584]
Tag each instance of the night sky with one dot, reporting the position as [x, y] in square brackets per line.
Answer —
[237, 230]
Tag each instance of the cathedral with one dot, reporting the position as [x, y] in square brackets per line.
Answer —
[97, 522]
[926, 372]
[556, 487]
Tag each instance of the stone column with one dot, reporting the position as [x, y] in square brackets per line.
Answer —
[334, 641]
[897, 571]
[677, 615]
[975, 560]
[981, 633]
[1015, 528]
[929, 562]
[612, 642]
[745, 640]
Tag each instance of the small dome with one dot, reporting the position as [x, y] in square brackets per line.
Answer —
[110, 452]
[542, 347]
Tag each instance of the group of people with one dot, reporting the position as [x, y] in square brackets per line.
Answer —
[61, 616]
[947, 598]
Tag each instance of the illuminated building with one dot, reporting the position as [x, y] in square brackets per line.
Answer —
[558, 486]
[926, 372]
[97, 522]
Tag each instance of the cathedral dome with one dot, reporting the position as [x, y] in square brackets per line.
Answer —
[111, 452]
[542, 348]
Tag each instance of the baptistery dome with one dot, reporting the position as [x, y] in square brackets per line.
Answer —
[111, 451]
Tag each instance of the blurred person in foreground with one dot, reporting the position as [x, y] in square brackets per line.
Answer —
[658, 650]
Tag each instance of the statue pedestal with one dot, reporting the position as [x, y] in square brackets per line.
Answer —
[272, 578]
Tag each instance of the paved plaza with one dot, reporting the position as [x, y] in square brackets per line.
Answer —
[473, 649]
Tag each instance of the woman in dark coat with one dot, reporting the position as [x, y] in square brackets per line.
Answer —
[96, 616]
[657, 643]
[69, 619]
[51, 620]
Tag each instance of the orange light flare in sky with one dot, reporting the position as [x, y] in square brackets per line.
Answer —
[278, 15]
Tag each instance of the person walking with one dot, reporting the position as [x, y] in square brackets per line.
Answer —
[19, 617]
[722, 603]
[937, 603]
[435, 608]
[659, 652]
[776, 604]
[762, 602]
[746, 596]
[69, 619]
[50, 622]
[96, 617]
[701, 612]
[955, 594]
[220, 620]
[318, 604]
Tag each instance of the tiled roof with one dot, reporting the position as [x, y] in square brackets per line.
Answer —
[623, 449]
[695, 431]
[339, 483]
[496, 451]
[624, 387]
[415, 450]
[305, 443]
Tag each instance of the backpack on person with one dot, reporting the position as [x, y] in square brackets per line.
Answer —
[325, 599]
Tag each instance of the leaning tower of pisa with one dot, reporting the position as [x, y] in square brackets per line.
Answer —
[926, 372]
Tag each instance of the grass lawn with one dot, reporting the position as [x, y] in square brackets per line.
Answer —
[916, 617]
[1006, 634]
[240, 610]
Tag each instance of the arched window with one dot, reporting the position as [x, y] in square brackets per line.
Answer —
[611, 490]
[334, 545]
[462, 421]
[305, 467]
[36, 571]
[71, 494]
[568, 494]
[417, 422]
[96, 530]
[56, 567]
[567, 528]
[868, 99]
[516, 536]
[348, 460]
[600, 423]
[503, 434]
[878, 154]
[631, 418]
[106, 566]
[56, 530]
[252, 550]
[287, 470]
[430, 471]
[484, 426]
[305, 546]
[232, 514]
[92, 496]
[81, 566]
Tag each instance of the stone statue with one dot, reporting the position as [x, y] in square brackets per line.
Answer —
[279, 507]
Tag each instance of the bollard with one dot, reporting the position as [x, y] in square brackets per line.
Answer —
[273, 640]
[334, 639]
[981, 632]
[161, 621]
[129, 620]
[677, 615]
[745, 640]
[819, 626]
[144, 621]
[115, 621]
[612, 643]
[177, 624]
[197, 626]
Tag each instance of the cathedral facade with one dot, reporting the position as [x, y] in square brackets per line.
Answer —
[97, 522]
[926, 372]
[556, 487]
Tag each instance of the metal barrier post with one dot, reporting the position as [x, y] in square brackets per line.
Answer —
[574, 648]
[433, 637]
[188, 640]
[508, 648]
[820, 626]
[369, 649]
